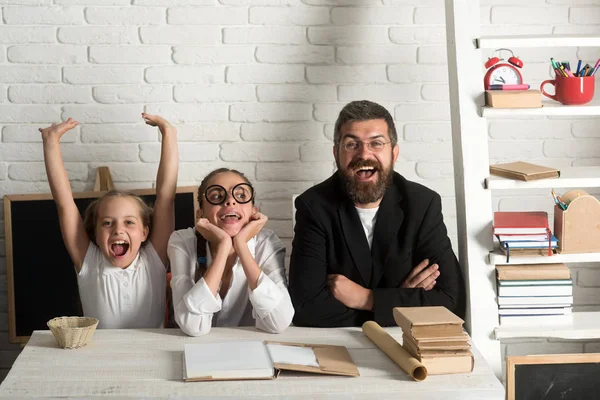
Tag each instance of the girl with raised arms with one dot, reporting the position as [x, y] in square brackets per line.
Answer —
[119, 248]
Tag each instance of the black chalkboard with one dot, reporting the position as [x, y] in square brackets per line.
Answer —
[41, 278]
[553, 377]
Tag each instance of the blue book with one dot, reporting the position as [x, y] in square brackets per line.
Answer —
[508, 245]
[529, 244]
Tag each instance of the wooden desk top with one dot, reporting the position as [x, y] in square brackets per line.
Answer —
[148, 363]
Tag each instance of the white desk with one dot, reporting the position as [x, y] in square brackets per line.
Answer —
[148, 363]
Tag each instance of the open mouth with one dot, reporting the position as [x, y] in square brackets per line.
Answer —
[119, 248]
[230, 217]
[366, 172]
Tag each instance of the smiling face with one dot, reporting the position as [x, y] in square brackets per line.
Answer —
[231, 215]
[120, 230]
[366, 173]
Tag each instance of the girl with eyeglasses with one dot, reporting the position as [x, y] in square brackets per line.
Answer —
[229, 270]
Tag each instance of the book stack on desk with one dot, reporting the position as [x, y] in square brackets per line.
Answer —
[538, 293]
[435, 336]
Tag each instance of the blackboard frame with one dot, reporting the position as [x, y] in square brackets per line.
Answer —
[10, 276]
[513, 361]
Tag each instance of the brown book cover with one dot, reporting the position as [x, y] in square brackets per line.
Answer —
[459, 364]
[513, 98]
[463, 337]
[528, 252]
[532, 272]
[436, 346]
[428, 322]
[523, 171]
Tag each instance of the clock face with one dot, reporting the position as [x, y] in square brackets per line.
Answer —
[505, 75]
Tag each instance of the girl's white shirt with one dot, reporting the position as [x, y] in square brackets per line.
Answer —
[132, 297]
[268, 307]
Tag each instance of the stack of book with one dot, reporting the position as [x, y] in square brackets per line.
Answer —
[435, 336]
[535, 293]
[524, 232]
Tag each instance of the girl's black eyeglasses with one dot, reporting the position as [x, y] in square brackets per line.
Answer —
[242, 193]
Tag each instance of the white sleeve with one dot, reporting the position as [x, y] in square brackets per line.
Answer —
[93, 259]
[193, 304]
[271, 302]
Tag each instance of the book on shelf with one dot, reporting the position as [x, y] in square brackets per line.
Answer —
[523, 171]
[521, 306]
[529, 244]
[536, 282]
[525, 252]
[532, 271]
[521, 222]
[262, 360]
[428, 322]
[536, 311]
[535, 290]
[537, 237]
[531, 98]
[535, 301]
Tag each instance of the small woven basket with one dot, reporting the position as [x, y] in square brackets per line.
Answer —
[72, 332]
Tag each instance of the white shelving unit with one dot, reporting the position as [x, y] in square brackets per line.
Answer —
[582, 325]
[474, 185]
[579, 177]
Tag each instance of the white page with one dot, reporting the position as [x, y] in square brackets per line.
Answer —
[292, 355]
[227, 360]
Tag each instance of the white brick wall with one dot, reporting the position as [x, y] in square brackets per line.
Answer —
[257, 85]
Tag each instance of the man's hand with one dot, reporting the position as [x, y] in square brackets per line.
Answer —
[55, 131]
[214, 235]
[252, 228]
[351, 294]
[422, 276]
[155, 120]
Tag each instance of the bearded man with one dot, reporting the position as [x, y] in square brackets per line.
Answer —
[367, 240]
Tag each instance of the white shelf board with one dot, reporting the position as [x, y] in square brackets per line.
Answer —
[547, 109]
[494, 42]
[497, 257]
[576, 177]
[582, 325]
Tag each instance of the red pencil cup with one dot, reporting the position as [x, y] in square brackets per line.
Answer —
[571, 91]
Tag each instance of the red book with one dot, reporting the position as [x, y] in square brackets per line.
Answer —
[520, 222]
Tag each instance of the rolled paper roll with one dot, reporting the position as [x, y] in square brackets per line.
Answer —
[394, 350]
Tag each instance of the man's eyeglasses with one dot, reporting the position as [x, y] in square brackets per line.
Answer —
[242, 193]
[352, 145]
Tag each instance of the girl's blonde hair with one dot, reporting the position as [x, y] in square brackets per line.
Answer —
[90, 217]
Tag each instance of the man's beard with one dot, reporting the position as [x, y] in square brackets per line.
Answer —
[365, 192]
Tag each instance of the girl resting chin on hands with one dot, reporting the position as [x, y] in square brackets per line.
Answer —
[228, 270]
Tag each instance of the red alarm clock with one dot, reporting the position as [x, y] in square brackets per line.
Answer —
[502, 73]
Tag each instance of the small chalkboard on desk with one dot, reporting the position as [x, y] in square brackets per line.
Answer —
[41, 278]
[557, 376]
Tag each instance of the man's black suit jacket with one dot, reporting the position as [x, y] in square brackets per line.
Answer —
[329, 239]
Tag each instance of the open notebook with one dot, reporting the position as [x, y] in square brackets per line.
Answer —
[262, 360]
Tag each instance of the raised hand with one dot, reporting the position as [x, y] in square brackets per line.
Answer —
[155, 120]
[252, 228]
[55, 131]
[422, 276]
